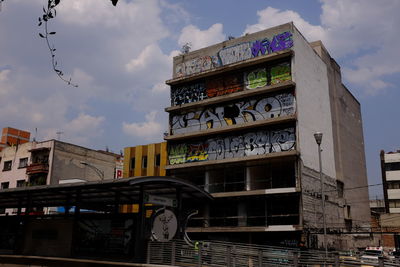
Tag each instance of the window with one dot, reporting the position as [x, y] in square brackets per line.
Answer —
[158, 160]
[393, 185]
[144, 162]
[392, 166]
[5, 185]
[394, 203]
[132, 163]
[21, 183]
[23, 163]
[7, 165]
[340, 188]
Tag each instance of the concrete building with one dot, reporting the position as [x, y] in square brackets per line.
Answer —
[144, 160]
[12, 137]
[390, 220]
[242, 120]
[53, 162]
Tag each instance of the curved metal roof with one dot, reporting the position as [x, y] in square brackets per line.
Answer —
[99, 194]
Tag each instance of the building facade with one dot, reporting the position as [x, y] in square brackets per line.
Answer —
[390, 220]
[53, 162]
[242, 120]
[12, 137]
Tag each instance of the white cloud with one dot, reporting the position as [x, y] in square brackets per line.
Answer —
[271, 17]
[149, 130]
[360, 29]
[199, 39]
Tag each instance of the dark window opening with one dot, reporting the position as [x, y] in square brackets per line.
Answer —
[132, 163]
[21, 183]
[158, 160]
[23, 163]
[392, 166]
[144, 162]
[5, 185]
[7, 165]
[340, 188]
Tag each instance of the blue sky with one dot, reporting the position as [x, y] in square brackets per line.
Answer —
[121, 56]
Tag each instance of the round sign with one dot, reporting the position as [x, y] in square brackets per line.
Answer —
[164, 226]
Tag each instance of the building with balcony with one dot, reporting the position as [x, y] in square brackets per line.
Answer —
[53, 162]
[242, 120]
[390, 220]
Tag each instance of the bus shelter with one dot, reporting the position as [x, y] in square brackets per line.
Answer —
[88, 220]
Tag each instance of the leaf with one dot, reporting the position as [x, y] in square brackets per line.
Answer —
[41, 35]
[52, 32]
[40, 24]
[56, 2]
[114, 2]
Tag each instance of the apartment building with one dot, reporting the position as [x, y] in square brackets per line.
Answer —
[242, 121]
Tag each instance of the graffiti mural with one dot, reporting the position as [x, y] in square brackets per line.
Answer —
[280, 73]
[231, 83]
[224, 85]
[256, 78]
[236, 53]
[197, 65]
[188, 94]
[278, 43]
[259, 142]
[255, 109]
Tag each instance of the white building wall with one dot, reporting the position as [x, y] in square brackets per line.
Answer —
[313, 107]
[14, 154]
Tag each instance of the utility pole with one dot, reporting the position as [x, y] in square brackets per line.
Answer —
[318, 139]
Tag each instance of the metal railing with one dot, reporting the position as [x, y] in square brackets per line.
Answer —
[224, 254]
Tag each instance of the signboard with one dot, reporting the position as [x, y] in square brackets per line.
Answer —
[162, 201]
[164, 225]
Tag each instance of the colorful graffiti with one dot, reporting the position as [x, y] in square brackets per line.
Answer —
[256, 78]
[224, 85]
[231, 83]
[249, 144]
[279, 42]
[236, 53]
[188, 94]
[280, 73]
[255, 109]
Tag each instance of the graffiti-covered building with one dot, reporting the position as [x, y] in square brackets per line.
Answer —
[242, 120]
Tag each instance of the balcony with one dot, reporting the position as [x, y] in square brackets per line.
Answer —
[37, 168]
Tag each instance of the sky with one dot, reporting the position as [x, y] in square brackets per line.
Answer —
[120, 58]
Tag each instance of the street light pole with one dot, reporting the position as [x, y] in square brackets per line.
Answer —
[318, 139]
[99, 172]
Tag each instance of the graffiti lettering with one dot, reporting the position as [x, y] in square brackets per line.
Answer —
[279, 42]
[255, 79]
[254, 143]
[222, 86]
[280, 73]
[188, 94]
[234, 113]
[235, 53]
[196, 65]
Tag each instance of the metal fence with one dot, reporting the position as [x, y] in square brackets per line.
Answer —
[224, 254]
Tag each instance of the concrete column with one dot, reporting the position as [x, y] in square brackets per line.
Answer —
[207, 182]
[248, 179]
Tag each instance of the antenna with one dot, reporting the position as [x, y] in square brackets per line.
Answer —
[59, 135]
[34, 138]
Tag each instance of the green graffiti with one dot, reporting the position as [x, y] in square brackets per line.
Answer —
[177, 154]
[257, 79]
[280, 74]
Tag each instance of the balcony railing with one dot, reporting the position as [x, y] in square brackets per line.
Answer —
[37, 168]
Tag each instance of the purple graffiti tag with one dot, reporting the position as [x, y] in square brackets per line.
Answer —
[257, 48]
[279, 42]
